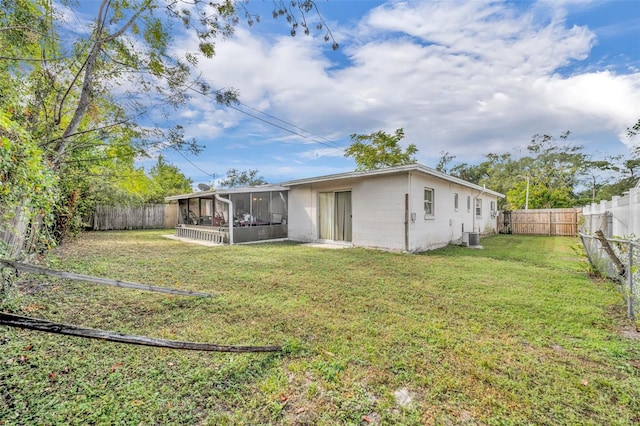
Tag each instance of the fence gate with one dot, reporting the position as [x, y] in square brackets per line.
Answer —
[555, 222]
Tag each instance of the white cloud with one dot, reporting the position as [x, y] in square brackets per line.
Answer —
[464, 77]
[322, 152]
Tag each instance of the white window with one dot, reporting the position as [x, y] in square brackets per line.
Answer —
[428, 202]
[478, 207]
[468, 203]
[455, 201]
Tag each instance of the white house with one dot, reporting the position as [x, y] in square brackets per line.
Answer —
[409, 208]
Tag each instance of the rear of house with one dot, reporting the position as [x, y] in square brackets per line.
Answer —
[410, 208]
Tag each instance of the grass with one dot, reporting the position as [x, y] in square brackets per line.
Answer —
[516, 333]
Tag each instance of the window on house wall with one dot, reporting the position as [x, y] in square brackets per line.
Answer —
[428, 202]
[468, 203]
[455, 201]
[478, 207]
[493, 206]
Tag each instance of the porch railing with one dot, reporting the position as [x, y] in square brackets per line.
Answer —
[203, 234]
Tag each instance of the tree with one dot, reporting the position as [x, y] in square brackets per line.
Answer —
[168, 180]
[552, 170]
[62, 94]
[27, 186]
[380, 149]
[236, 178]
[634, 130]
[445, 159]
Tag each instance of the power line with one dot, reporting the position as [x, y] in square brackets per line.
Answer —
[286, 122]
[193, 164]
[312, 137]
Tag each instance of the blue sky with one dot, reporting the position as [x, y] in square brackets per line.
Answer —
[463, 77]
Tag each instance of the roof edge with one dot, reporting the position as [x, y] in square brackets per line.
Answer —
[225, 191]
[389, 170]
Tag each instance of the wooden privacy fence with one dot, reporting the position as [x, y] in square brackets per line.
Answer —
[147, 216]
[556, 222]
[19, 232]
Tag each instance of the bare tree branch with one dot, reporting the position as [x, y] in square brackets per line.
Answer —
[13, 320]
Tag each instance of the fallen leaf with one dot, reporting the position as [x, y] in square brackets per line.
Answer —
[300, 410]
[136, 402]
[283, 398]
[171, 364]
[27, 348]
[114, 367]
[367, 419]
[585, 382]
[51, 376]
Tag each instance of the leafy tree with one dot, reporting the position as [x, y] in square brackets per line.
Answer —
[27, 186]
[168, 180]
[236, 178]
[634, 130]
[380, 149]
[62, 94]
[445, 159]
[552, 169]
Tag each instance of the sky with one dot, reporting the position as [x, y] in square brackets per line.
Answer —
[465, 78]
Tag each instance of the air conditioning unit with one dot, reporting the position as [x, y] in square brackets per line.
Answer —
[471, 239]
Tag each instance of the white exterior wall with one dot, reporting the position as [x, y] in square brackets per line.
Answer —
[447, 224]
[378, 211]
[303, 213]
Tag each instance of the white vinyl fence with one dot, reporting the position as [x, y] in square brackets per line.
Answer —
[618, 217]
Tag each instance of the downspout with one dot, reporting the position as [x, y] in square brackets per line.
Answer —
[224, 200]
[484, 188]
[407, 214]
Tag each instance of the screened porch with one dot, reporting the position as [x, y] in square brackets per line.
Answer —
[233, 215]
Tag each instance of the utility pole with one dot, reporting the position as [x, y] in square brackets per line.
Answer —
[526, 200]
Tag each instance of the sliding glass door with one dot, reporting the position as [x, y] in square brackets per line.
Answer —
[334, 216]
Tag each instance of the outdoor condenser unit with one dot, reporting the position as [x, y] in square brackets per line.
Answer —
[471, 239]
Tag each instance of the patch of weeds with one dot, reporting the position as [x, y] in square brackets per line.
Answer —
[585, 263]
[329, 371]
[295, 348]
[9, 295]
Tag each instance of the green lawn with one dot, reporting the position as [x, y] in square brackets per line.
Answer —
[516, 333]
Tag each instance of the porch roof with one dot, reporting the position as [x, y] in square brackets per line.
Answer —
[392, 170]
[227, 191]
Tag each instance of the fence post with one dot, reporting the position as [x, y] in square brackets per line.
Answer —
[630, 298]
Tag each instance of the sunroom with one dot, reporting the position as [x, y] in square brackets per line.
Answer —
[233, 215]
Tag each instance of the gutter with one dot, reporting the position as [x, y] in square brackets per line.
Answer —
[224, 200]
